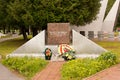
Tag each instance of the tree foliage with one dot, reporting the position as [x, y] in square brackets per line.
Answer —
[77, 12]
[3, 14]
[37, 13]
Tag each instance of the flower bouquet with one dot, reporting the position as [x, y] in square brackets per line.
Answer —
[69, 55]
[66, 51]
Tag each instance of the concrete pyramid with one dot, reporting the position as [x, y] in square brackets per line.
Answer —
[36, 46]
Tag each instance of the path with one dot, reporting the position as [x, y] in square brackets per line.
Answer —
[51, 72]
[112, 73]
[12, 37]
[6, 74]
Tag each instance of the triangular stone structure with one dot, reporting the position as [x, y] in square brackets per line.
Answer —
[33, 47]
[110, 19]
[36, 46]
[83, 45]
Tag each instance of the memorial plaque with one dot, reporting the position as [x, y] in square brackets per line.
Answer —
[58, 33]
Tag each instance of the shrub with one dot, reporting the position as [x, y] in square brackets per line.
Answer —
[81, 68]
[109, 57]
[26, 66]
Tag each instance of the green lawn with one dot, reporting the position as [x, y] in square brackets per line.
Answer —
[7, 47]
[113, 46]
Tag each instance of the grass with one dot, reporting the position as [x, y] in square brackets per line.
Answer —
[113, 46]
[26, 66]
[77, 70]
[31, 65]
[82, 68]
[9, 46]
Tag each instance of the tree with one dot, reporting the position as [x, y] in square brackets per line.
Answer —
[77, 12]
[37, 13]
[3, 14]
[18, 13]
[25, 13]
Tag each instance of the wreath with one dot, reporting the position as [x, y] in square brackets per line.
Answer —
[48, 53]
[66, 51]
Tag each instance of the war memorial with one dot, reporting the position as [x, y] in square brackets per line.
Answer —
[56, 34]
[64, 33]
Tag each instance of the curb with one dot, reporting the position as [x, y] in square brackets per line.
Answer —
[102, 71]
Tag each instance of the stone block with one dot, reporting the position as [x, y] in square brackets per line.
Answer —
[100, 35]
[58, 33]
[111, 36]
[90, 34]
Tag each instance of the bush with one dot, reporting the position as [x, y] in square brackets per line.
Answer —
[81, 68]
[26, 66]
[108, 57]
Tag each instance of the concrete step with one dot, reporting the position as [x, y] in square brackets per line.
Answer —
[56, 57]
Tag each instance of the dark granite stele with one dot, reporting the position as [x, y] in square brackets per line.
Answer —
[58, 33]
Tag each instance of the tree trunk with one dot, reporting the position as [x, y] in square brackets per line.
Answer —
[8, 30]
[4, 29]
[34, 30]
[27, 30]
[23, 30]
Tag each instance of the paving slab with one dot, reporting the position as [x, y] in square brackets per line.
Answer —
[51, 72]
[6, 74]
[112, 73]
